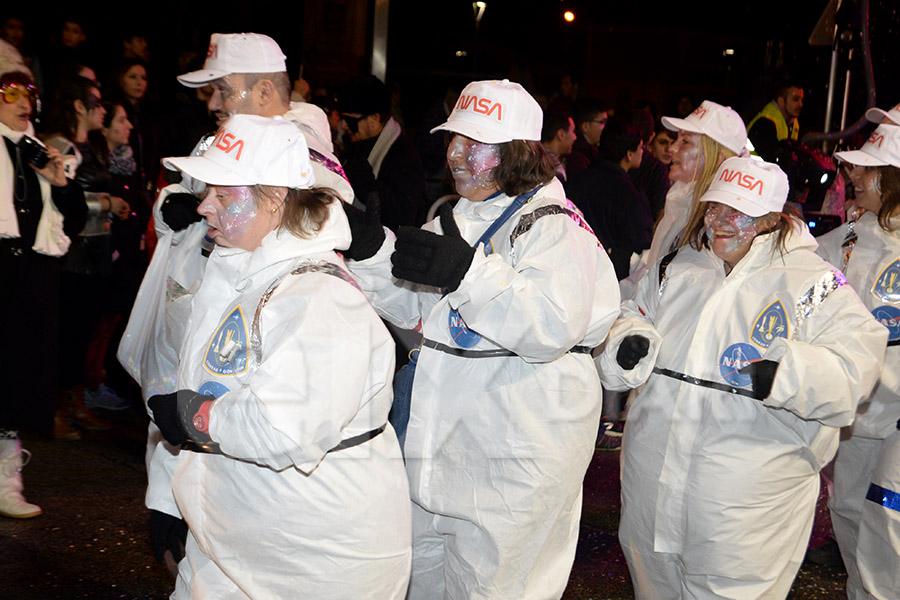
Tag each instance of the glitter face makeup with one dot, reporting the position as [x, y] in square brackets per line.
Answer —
[730, 232]
[229, 97]
[866, 188]
[471, 164]
[687, 163]
[234, 218]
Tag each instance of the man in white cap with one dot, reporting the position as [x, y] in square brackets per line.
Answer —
[248, 74]
[865, 504]
[749, 353]
[511, 289]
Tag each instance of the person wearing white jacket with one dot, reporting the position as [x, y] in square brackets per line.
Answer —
[248, 74]
[865, 506]
[706, 137]
[294, 483]
[754, 352]
[512, 291]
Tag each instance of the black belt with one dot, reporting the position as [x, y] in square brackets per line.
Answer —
[356, 440]
[894, 343]
[722, 387]
[485, 353]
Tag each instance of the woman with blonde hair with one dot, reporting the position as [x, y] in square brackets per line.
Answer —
[750, 353]
[706, 137]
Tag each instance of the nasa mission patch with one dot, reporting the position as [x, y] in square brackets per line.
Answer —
[889, 316]
[771, 323]
[887, 285]
[460, 333]
[227, 350]
[733, 359]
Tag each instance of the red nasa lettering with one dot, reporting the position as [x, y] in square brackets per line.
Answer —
[700, 112]
[484, 106]
[213, 51]
[744, 180]
[229, 143]
[876, 139]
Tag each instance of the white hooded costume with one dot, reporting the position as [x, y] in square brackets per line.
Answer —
[865, 507]
[497, 446]
[299, 362]
[718, 488]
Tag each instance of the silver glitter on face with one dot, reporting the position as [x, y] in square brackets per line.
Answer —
[729, 231]
[687, 162]
[239, 212]
[471, 164]
[230, 97]
[232, 215]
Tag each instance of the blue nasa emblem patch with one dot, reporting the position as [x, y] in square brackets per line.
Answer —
[770, 324]
[213, 388]
[227, 350]
[736, 357]
[887, 285]
[889, 316]
[461, 334]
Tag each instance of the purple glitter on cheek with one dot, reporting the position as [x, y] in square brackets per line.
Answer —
[471, 164]
[239, 212]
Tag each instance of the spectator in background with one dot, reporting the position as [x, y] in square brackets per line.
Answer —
[39, 211]
[776, 121]
[134, 46]
[558, 136]
[64, 51]
[618, 212]
[129, 86]
[379, 159]
[590, 118]
[652, 176]
[660, 144]
[12, 29]
[564, 99]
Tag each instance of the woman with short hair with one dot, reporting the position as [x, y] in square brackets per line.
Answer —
[290, 480]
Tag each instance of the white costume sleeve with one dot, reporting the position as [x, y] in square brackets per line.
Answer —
[636, 319]
[161, 460]
[823, 377]
[395, 300]
[546, 303]
[308, 387]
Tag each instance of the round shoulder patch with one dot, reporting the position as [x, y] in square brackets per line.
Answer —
[461, 334]
[889, 316]
[736, 357]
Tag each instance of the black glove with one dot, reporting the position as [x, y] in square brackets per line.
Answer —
[425, 257]
[180, 210]
[167, 533]
[165, 415]
[632, 349]
[366, 229]
[762, 376]
[182, 416]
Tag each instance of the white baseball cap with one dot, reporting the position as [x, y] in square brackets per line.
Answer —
[494, 112]
[250, 150]
[749, 185]
[882, 148]
[876, 115]
[721, 123]
[237, 53]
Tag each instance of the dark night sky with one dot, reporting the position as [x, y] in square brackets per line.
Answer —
[651, 50]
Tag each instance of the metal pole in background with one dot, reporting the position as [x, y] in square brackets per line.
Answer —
[380, 39]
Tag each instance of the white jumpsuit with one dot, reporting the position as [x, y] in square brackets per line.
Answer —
[719, 489]
[156, 329]
[497, 447]
[296, 371]
[868, 530]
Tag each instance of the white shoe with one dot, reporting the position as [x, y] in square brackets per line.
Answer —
[12, 504]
